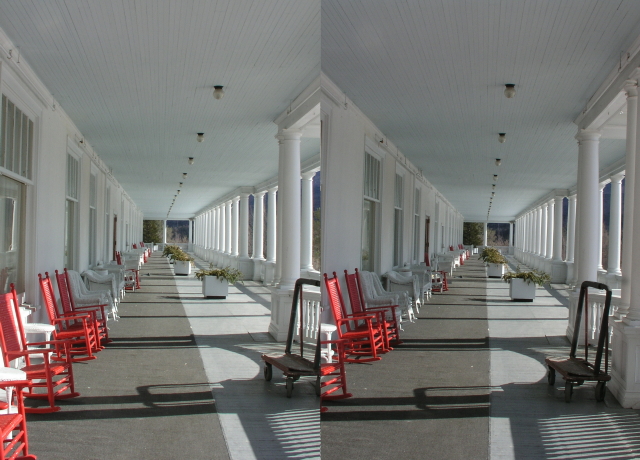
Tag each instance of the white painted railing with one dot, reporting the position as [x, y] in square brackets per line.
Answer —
[595, 307]
[311, 310]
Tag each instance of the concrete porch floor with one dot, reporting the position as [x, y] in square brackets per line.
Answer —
[469, 382]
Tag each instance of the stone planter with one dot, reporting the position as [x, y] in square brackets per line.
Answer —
[214, 287]
[181, 267]
[520, 291]
[495, 270]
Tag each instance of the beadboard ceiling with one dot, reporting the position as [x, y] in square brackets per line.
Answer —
[137, 78]
[430, 74]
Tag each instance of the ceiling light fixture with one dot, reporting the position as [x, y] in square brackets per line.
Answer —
[502, 137]
[493, 186]
[184, 175]
[200, 137]
[509, 90]
[218, 93]
[495, 177]
[498, 161]
[179, 191]
[493, 193]
[190, 160]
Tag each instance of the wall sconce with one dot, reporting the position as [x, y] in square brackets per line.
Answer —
[218, 93]
[190, 160]
[200, 137]
[502, 137]
[509, 90]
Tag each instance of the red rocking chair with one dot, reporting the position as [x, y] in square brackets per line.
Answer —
[368, 341]
[76, 328]
[55, 377]
[337, 376]
[13, 425]
[386, 316]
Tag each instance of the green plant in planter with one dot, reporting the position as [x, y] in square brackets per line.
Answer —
[232, 275]
[537, 277]
[182, 257]
[490, 255]
[170, 249]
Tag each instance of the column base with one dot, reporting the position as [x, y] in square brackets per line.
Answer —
[245, 265]
[258, 269]
[625, 365]
[281, 300]
[558, 271]
[269, 273]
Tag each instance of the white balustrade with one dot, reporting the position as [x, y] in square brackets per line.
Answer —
[310, 318]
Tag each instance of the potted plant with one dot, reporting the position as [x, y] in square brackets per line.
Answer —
[522, 285]
[169, 250]
[216, 281]
[494, 260]
[182, 262]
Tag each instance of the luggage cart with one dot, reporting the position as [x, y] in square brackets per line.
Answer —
[576, 371]
[292, 365]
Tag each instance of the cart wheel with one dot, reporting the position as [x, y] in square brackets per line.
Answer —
[318, 386]
[289, 387]
[268, 372]
[551, 376]
[601, 391]
[568, 391]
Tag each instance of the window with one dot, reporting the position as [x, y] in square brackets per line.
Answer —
[416, 227]
[16, 140]
[71, 212]
[11, 234]
[397, 224]
[93, 219]
[370, 211]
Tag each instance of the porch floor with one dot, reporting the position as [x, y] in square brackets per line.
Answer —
[469, 382]
[182, 379]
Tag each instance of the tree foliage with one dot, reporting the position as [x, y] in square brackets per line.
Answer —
[152, 231]
[472, 233]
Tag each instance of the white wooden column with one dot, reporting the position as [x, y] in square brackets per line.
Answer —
[601, 187]
[587, 225]
[550, 227]
[557, 229]
[538, 234]
[190, 232]
[243, 238]
[306, 223]
[271, 225]
[212, 230]
[484, 234]
[224, 249]
[615, 224]
[544, 210]
[258, 225]
[228, 231]
[631, 88]
[164, 231]
[235, 217]
[571, 227]
[290, 210]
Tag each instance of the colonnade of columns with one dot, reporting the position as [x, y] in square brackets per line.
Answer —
[222, 232]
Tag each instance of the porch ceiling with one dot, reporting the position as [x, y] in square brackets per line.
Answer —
[137, 79]
[431, 75]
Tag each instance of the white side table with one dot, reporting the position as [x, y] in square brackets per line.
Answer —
[327, 330]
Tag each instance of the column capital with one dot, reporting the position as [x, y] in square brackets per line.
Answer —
[573, 197]
[602, 185]
[289, 134]
[588, 135]
[617, 177]
[630, 87]
[309, 175]
[260, 194]
[273, 189]
[558, 199]
[551, 201]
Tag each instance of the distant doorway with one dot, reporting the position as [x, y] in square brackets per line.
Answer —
[427, 226]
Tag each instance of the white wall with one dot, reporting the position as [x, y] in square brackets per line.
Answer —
[346, 130]
[46, 192]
